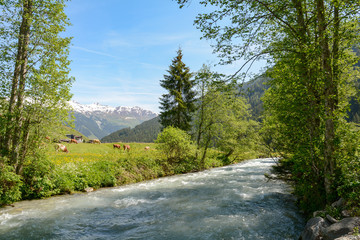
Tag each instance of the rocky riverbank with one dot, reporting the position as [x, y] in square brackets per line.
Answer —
[329, 228]
[319, 228]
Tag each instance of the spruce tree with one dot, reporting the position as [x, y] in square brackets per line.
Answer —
[178, 104]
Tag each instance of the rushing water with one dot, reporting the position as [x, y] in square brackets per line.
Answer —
[233, 202]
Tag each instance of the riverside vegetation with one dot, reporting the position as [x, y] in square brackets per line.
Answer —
[101, 165]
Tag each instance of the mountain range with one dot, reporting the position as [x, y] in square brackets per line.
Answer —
[97, 121]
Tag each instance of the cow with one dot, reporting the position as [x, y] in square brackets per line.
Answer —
[73, 141]
[147, 148]
[61, 147]
[96, 141]
[116, 146]
[126, 147]
[47, 138]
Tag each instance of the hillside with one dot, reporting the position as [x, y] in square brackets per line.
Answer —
[253, 91]
[145, 132]
[61, 132]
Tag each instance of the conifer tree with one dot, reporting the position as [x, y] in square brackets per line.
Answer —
[178, 104]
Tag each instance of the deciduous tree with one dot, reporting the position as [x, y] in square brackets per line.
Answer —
[34, 76]
[309, 45]
[222, 119]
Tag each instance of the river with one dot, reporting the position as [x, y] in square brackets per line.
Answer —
[232, 202]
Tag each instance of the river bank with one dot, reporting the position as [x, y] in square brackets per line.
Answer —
[337, 221]
[94, 166]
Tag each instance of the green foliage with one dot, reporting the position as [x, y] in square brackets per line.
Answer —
[34, 80]
[175, 144]
[312, 76]
[222, 119]
[37, 179]
[349, 188]
[10, 184]
[178, 104]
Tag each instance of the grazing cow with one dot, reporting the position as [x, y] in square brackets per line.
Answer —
[73, 141]
[116, 146]
[126, 147]
[147, 148]
[61, 148]
[47, 138]
[96, 141]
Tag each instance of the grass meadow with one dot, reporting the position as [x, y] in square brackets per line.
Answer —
[88, 165]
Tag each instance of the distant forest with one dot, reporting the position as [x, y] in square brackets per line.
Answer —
[144, 132]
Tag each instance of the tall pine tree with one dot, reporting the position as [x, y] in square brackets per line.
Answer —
[178, 104]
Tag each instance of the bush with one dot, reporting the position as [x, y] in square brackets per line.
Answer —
[10, 184]
[175, 144]
[37, 178]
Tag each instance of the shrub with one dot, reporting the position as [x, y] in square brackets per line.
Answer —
[37, 178]
[175, 144]
[10, 184]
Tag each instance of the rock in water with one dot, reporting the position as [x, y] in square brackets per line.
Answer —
[89, 189]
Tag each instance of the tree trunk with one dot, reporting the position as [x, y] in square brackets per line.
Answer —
[6, 144]
[24, 146]
[306, 73]
[24, 40]
[330, 97]
[202, 161]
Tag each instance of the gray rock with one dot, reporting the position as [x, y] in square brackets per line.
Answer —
[314, 228]
[331, 219]
[339, 203]
[349, 237]
[341, 228]
[346, 213]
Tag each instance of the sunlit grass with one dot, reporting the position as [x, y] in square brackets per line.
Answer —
[101, 165]
[87, 152]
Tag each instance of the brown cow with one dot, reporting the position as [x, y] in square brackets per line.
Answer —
[47, 138]
[147, 148]
[96, 141]
[61, 148]
[73, 141]
[126, 147]
[116, 146]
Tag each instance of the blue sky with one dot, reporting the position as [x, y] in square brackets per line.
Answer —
[122, 48]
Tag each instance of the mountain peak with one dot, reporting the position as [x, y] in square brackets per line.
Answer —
[99, 108]
[97, 120]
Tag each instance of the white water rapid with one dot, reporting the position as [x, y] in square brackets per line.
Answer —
[232, 202]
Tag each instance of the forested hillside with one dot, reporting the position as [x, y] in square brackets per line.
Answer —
[253, 91]
[145, 132]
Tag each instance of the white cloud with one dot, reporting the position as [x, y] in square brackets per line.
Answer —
[143, 39]
[94, 52]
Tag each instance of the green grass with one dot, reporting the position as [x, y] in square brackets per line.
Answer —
[100, 165]
[86, 165]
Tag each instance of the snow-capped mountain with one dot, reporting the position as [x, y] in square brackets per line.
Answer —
[96, 120]
[98, 108]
